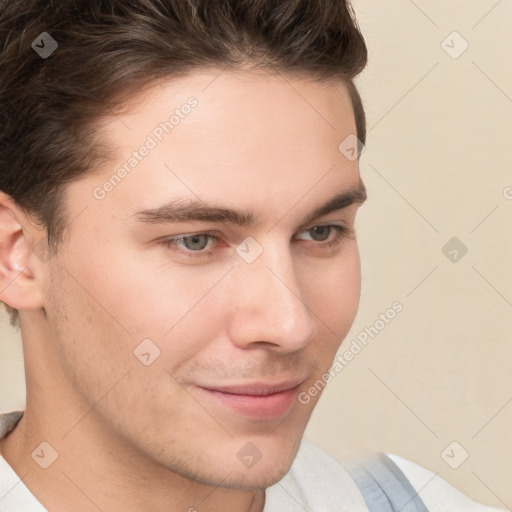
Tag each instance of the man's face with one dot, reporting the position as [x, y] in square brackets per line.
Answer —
[146, 331]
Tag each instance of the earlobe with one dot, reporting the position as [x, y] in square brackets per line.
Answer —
[20, 281]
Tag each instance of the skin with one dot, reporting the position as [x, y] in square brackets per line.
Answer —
[132, 437]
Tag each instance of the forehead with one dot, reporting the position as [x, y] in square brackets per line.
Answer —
[244, 108]
[228, 136]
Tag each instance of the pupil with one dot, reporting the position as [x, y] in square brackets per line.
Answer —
[197, 242]
[322, 232]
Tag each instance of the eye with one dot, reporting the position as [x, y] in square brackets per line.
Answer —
[196, 242]
[202, 245]
[320, 233]
[323, 233]
[191, 245]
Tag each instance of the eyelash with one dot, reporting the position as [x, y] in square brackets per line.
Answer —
[342, 233]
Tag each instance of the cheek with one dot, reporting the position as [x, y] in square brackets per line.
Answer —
[333, 297]
[87, 343]
[144, 294]
[345, 295]
[333, 287]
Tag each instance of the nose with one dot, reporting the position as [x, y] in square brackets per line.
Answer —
[269, 304]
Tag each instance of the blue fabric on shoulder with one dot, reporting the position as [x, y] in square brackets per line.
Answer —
[384, 486]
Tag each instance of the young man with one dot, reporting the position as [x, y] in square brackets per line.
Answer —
[179, 186]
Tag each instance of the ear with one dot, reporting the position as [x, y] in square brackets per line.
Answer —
[21, 269]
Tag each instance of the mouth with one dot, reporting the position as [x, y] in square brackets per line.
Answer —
[258, 400]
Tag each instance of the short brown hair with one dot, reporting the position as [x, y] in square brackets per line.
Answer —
[108, 49]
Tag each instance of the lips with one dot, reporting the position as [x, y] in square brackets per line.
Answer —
[257, 400]
[257, 388]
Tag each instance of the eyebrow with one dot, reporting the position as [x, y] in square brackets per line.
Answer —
[187, 210]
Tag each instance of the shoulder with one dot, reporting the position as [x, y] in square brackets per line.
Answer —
[14, 496]
[437, 494]
[8, 421]
[318, 482]
[315, 482]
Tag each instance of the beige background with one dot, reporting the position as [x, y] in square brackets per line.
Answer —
[436, 166]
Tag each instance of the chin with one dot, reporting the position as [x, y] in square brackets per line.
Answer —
[257, 478]
[229, 470]
[272, 465]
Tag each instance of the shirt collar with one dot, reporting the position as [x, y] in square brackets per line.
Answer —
[8, 421]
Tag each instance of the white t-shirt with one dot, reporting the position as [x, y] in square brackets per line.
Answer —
[315, 483]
